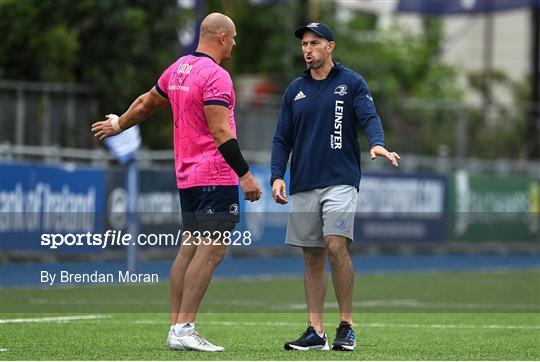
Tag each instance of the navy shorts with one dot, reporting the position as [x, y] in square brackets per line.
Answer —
[209, 208]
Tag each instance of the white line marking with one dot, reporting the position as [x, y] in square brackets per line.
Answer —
[403, 303]
[449, 326]
[3, 349]
[52, 319]
[393, 325]
[361, 325]
[84, 301]
[416, 304]
[396, 303]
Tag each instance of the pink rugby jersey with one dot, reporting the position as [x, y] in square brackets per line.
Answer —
[192, 82]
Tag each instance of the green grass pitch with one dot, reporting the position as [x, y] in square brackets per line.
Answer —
[468, 315]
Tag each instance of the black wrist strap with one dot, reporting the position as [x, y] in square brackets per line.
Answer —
[230, 150]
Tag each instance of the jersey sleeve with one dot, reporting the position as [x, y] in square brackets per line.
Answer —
[283, 139]
[366, 114]
[162, 85]
[217, 89]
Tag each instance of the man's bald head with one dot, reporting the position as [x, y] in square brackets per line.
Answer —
[217, 37]
[215, 24]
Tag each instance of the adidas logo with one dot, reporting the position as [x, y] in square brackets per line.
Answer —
[300, 95]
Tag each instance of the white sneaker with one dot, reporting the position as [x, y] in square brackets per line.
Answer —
[173, 342]
[191, 341]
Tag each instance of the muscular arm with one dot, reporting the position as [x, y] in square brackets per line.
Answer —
[142, 108]
[139, 110]
[217, 118]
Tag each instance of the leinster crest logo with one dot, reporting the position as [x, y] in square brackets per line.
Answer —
[341, 90]
[234, 209]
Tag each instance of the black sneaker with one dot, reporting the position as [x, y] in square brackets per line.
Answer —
[309, 341]
[345, 338]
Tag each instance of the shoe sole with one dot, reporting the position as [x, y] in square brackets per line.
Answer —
[338, 347]
[291, 347]
[194, 350]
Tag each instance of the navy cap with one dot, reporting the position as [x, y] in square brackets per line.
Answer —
[320, 29]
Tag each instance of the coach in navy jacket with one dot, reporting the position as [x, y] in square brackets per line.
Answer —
[321, 113]
[319, 121]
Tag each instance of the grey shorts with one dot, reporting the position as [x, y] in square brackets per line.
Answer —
[320, 212]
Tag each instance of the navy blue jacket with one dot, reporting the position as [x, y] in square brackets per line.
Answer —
[319, 123]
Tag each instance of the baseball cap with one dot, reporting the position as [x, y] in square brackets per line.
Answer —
[320, 29]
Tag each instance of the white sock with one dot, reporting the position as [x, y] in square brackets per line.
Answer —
[180, 329]
[172, 328]
[320, 334]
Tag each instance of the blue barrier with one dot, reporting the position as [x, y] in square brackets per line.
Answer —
[264, 219]
[391, 208]
[401, 208]
[36, 199]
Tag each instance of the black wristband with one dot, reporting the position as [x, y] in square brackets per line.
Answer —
[230, 150]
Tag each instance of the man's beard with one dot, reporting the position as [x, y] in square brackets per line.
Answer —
[316, 64]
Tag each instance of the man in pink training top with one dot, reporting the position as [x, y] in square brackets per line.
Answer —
[208, 164]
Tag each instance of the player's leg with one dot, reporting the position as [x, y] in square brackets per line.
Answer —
[177, 276]
[315, 285]
[180, 264]
[343, 279]
[339, 207]
[314, 337]
[342, 273]
[198, 276]
[305, 230]
[188, 203]
[217, 213]
[196, 280]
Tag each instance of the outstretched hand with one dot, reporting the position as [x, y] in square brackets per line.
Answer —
[105, 128]
[381, 151]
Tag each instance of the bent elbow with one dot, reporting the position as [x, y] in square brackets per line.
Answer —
[221, 135]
